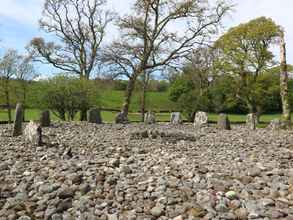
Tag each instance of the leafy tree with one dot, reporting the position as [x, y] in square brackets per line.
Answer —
[244, 53]
[8, 70]
[65, 96]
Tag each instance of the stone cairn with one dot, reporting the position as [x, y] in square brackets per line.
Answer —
[223, 122]
[33, 134]
[94, 116]
[150, 118]
[200, 119]
[17, 128]
[176, 118]
[45, 120]
[251, 121]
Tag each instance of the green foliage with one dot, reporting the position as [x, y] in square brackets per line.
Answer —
[65, 96]
[244, 53]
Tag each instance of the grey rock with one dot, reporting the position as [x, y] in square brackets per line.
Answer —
[45, 120]
[94, 116]
[150, 118]
[17, 128]
[251, 121]
[201, 119]
[223, 122]
[176, 118]
[33, 134]
[157, 211]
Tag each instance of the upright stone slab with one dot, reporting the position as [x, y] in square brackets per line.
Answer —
[150, 118]
[33, 134]
[45, 119]
[94, 116]
[223, 122]
[17, 129]
[275, 124]
[251, 121]
[176, 118]
[121, 118]
[201, 119]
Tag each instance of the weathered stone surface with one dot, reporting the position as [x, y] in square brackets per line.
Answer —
[223, 122]
[45, 119]
[33, 134]
[180, 174]
[201, 119]
[121, 118]
[275, 124]
[150, 118]
[17, 129]
[94, 116]
[251, 121]
[176, 118]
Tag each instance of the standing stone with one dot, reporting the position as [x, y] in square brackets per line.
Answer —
[45, 120]
[201, 119]
[94, 116]
[275, 124]
[223, 122]
[150, 118]
[33, 134]
[121, 118]
[251, 121]
[176, 118]
[17, 130]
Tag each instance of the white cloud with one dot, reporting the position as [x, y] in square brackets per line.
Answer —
[25, 12]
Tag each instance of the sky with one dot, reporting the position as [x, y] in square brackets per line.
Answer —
[19, 20]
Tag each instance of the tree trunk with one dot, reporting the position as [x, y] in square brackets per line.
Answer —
[128, 95]
[143, 95]
[284, 81]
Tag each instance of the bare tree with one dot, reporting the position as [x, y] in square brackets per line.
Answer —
[160, 33]
[80, 27]
[8, 68]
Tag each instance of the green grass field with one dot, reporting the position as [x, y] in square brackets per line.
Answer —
[32, 114]
[154, 100]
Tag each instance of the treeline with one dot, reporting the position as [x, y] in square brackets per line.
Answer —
[238, 74]
[65, 95]
[220, 95]
[232, 74]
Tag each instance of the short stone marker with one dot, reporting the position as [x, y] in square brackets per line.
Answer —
[251, 121]
[150, 118]
[33, 133]
[121, 118]
[17, 128]
[94, 116]
[223, 122]
[275, 124]
[176, 118]
[45, 120]
[201, 119]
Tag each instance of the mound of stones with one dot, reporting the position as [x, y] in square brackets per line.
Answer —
[102, 171]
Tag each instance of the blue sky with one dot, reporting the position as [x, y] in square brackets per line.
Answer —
[19, 20]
